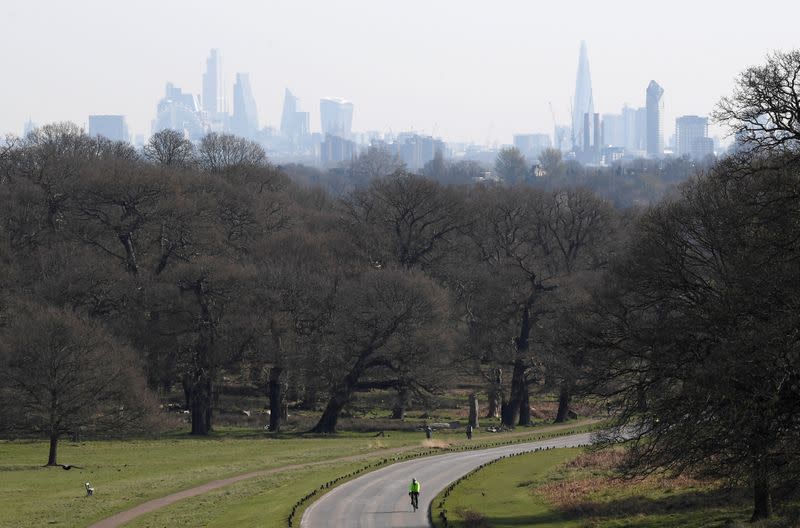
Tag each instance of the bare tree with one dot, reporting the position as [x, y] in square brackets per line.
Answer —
[511, 166]
[220, 152]
[62, 373]
[696, 332]
[764, 111]
[169, 148]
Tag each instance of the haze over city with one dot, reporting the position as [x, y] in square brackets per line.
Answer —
[461, 71]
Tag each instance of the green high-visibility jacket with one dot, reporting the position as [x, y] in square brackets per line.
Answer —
[414, 487]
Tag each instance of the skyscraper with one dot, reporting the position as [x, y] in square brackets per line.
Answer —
[655, 120]
[336, 116]
[294, 123]
[244, 121]
[213, 97]
[691, 137]
[112, 127]
[180, 111]
[584, 103]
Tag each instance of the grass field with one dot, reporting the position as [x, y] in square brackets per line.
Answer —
[567, 488]
[127, 473]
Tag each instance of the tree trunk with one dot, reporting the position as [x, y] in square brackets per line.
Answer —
[762, 499]
[511, 407]
[330, 416]
[52, 458]
[564, 399]
[399, 409]
[473, 410]
[525, 407]
[200, 405]
[495, 395]
[276, 397]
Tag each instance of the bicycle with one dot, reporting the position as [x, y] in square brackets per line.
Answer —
[414, 500]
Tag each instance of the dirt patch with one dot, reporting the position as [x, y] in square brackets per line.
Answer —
[436, 444]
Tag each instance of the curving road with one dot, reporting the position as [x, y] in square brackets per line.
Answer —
[380, 499]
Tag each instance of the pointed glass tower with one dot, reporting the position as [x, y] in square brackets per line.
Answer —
[583, 103]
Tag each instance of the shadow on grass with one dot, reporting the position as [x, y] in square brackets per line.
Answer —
[689, 501]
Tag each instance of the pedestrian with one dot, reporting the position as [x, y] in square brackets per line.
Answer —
[428, 432]
[469, 431]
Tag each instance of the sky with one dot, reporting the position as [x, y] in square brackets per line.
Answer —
[463, 70]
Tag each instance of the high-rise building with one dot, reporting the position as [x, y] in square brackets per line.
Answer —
[614, 130]
[655, 120]
[531, 145]
[629, 127]
[691, 137]
[584, 103]
[244, 121]
[213, 97]
[180, 111]
[112, 127]
[335, 149]
[29, 127]
[336, 116]
[294, 123]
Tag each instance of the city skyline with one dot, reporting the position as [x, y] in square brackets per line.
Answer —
[479, 74]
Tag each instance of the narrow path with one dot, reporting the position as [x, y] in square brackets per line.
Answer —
[380, 499]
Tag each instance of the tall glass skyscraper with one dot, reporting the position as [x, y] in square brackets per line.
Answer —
[336, 116]
[655, 120]
[244, 121]
[213, 96]
[583, 103]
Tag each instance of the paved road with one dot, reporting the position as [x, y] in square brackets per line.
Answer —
[379, 499]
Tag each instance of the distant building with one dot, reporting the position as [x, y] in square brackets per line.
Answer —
[180, 111]
[561, 137]
[29, 127]
[335, 149]
[655, 120]
[584, 103]
[691, 137]
[213, 99]
[531, 145]
[244, 121]
[614, 131]
[415, 150]
[336, 116]
[294, 123]
[112, 127]
[640, 134]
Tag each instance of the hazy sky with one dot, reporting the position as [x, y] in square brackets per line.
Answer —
[464, 70]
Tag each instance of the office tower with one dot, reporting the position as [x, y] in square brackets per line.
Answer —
[562, 138]
[244, 121]
[691, 137]
[335, 149]
[531, 145]
[583, 99]
[180, 111]
[112, 127]
[598, 138]
[415, 150]
[629, 128]
[336, 116]
[294, 123]
[213, 85]
[587, 132]
[655, 120]
[614, 130]
[641, 129]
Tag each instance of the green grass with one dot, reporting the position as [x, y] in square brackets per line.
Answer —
[499, 494]
[127, 473]
[559, 489]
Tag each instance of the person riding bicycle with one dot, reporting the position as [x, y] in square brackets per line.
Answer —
[413, 491]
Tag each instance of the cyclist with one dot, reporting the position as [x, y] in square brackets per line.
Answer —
[413, 491]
